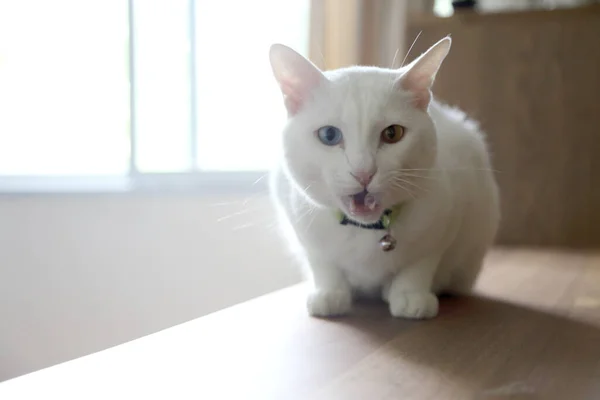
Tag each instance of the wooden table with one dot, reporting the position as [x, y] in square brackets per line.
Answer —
[532, 332]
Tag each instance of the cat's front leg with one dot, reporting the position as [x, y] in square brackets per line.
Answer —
[330, 294]
[409, 293]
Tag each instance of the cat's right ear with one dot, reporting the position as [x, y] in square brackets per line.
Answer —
[297, 76]
[418, 76]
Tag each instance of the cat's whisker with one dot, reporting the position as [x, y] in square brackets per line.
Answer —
[451, 169]
[394, 59]
[306, 229]
[405, 189]
[268, 223]
[242, 202]
[401, 177]
[253, 197]
[225, 204]
[259, 179]
[312, 220]
[419, 188]
[322, 58]
[392, 79]
[235, 214]
[257, 206]
[243, 226]
[416, 178]
[410, 48]
[300, 217]
[389, 175]
[432, 178]
[310, 209]
[398, 178]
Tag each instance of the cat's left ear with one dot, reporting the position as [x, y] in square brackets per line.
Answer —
[297, 76]
[418, 77]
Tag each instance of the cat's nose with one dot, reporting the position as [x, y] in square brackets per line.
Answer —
[364, 177]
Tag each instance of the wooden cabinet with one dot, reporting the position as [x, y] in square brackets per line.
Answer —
[532, 79]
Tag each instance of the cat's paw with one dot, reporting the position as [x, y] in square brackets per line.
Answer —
[329, 303]
[414, 305]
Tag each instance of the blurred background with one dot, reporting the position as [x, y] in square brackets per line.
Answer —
[135, 137]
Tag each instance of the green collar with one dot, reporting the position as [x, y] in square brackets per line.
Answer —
[387, 219]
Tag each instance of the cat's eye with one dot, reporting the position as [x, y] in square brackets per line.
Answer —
[392, 134]
[329, 135]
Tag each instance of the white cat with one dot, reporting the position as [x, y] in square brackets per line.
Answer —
[363, 140]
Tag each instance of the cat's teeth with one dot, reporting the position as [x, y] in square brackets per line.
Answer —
[371, 201]
[352, 206]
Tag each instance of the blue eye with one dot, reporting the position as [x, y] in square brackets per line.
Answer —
[329, 135]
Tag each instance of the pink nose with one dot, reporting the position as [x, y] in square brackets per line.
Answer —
[364, 177]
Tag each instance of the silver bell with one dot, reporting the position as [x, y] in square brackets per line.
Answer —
[387, 243]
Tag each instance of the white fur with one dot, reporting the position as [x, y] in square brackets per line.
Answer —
[450, 199]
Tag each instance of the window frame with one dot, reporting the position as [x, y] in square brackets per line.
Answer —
[192, 181]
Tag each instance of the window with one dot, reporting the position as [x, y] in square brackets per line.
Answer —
[64, 87]
[141, 88]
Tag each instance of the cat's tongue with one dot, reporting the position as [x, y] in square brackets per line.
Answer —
[363, 203]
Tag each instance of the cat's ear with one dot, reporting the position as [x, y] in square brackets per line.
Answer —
[417, 77]
[297, 76]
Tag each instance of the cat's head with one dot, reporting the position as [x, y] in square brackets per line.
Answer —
[358, 139]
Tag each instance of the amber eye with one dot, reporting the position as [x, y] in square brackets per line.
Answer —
[392, 134]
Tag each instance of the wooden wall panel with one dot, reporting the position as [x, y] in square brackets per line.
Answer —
[533, 81]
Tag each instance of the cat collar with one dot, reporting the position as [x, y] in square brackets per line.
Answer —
[389, 216]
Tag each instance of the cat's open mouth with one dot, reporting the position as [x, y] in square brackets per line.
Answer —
[364, 204]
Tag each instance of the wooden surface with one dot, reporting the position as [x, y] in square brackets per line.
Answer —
[532, 332]
[533, 81]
